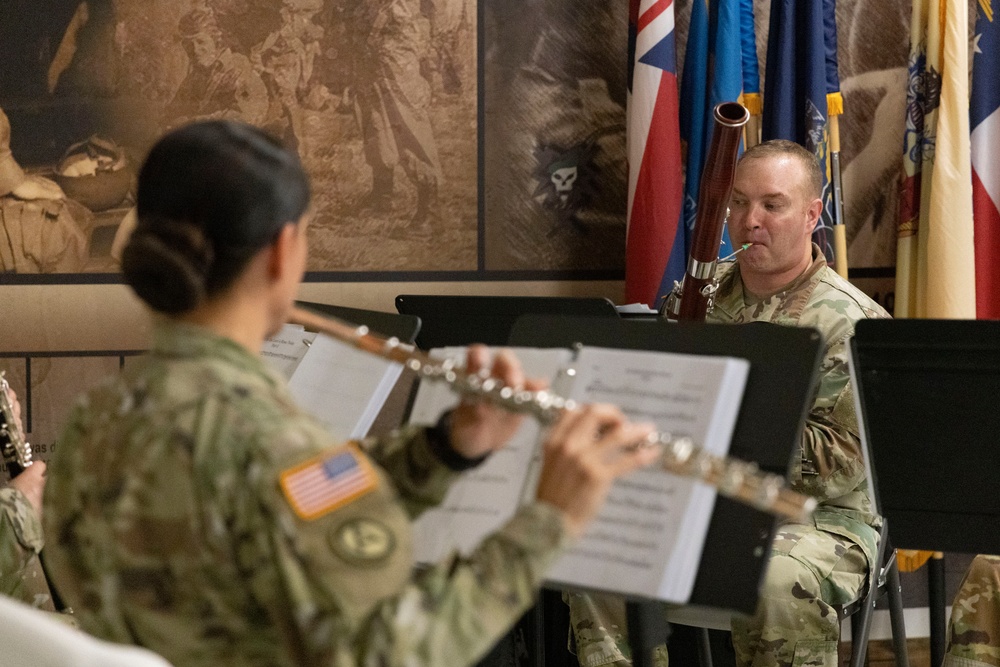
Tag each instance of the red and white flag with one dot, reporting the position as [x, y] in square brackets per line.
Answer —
[984, 123]
[654, 153]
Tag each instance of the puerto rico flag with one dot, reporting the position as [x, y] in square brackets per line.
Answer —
[654, 155]
[984, 124]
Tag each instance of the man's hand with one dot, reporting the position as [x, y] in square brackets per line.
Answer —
[31, 483]
[478, 428]
[37, 187]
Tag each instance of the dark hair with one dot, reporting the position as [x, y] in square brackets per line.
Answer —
[783, 147]
[210, 196]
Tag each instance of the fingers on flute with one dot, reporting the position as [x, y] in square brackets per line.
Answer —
[603, 433]
[507, 369]
[477, 357]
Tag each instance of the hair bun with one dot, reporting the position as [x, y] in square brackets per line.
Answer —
[167, 263]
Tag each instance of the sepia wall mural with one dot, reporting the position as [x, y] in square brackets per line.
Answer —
[378, 98]
[432, 148]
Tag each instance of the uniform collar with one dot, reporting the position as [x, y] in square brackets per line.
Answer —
[190, 341]
[734, 297]
[818, 262]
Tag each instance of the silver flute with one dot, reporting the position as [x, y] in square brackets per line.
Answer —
[734, 478]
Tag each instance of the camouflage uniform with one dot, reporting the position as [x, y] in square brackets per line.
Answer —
[169, 527]
[825, 562]
[21, 574]
[974, 629]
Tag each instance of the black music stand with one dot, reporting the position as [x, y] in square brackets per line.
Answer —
[783, 366]
[927, 392]
[460, 320]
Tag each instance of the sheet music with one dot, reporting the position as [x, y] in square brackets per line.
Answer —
[285, 349]
[648, 538]
[341, 386]
[484, 498]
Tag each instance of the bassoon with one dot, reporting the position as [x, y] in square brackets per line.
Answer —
[694, 296]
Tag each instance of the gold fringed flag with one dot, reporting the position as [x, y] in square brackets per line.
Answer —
[935, 265]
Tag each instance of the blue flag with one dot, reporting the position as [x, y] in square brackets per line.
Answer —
[748, 41]
[795, 87]
[713, 38]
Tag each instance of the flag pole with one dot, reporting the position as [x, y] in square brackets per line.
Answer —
[750, 98]
[835, 107]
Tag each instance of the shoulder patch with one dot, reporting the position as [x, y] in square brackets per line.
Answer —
[363, 540]
[328, 481]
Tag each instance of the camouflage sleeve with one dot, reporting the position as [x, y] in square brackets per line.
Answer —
[19, 520]
[421, 479]
[21, 575]
[342, 590]
[340, 583]
[452, 613]
[832, 464]
[975, 617]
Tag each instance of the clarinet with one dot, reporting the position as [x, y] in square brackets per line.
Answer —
[693, 297]
[16, 453]
[734, 478]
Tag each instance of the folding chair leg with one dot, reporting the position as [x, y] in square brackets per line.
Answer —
[896, 615]
[704, 648]
[861, 623]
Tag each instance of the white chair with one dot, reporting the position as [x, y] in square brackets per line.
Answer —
[33, 638]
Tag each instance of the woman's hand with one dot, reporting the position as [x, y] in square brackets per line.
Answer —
[478, 427]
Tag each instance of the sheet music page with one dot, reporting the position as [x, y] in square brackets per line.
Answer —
[284, 350]
[343, 387]
[483, 499]
[648, 538]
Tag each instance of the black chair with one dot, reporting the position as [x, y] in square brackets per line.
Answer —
[860, 610]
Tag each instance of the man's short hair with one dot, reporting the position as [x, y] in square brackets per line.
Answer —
[783, 147]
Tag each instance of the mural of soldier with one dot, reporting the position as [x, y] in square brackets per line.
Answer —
[391, 97]
[286, 60]
[220, 83]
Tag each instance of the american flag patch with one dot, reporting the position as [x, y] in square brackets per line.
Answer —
[328, 481]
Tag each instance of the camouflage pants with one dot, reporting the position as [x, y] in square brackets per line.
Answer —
[599, 634]
[795, 624]
[974, 629]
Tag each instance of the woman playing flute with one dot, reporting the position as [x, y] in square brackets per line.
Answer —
[193, 509]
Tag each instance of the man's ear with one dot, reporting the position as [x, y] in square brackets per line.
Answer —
[814, 211]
